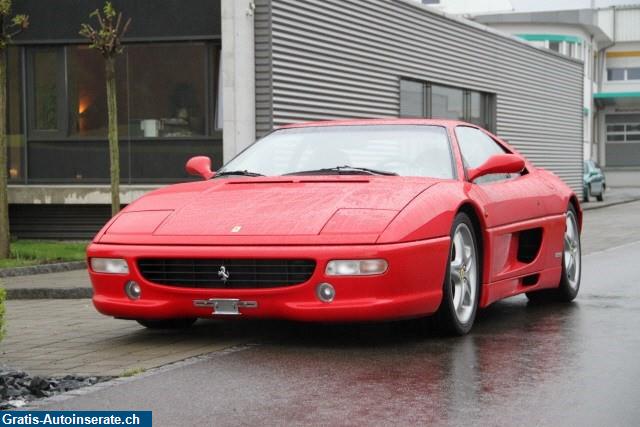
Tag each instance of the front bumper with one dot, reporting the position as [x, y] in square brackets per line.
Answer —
[411, 287]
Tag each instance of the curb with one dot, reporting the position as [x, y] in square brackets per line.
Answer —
[606, 205]
[49, 293]
[43, 269]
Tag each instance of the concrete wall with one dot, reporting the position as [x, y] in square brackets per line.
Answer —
[238, 76]
[73, 194]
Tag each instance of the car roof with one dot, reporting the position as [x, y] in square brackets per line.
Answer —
[363, 122]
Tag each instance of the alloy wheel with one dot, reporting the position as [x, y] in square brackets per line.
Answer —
[463, 273]
[572, 251]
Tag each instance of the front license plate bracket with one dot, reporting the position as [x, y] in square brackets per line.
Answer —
[225, 306]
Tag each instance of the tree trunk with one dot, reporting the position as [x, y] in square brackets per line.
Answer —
[114, 151]
[4, 198]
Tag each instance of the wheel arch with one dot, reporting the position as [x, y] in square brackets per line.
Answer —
[573, 201]
[473, 212]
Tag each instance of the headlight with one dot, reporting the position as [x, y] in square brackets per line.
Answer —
[356, 267]
[109, 265]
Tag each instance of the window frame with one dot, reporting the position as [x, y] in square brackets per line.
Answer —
[625, 74]
[488, 102]
[211, 75]
[62, 95]
[447, 131]
[624, 133]
[37, 142]
[502, 146]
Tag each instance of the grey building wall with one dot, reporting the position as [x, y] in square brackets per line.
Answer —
[263, 55]
[332, 59]
[624, 154]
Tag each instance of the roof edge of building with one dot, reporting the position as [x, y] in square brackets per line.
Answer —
[584, 18]
[482, 27]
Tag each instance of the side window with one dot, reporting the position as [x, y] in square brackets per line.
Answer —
[476, 148]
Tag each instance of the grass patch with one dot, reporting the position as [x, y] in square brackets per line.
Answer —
[132, 372]
[34, 252]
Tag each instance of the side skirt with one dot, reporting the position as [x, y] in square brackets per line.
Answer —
[491, 292]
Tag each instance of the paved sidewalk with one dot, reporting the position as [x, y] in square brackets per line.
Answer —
[66, 284]
[58, 337]
[614, 196]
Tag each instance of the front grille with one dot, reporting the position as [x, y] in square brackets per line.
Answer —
[242, 273]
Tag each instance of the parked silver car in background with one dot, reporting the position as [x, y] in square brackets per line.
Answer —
[594, 181]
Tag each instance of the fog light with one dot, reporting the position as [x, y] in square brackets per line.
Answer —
[325, 292]
[109, 265]
[132, 289]
[356, 267]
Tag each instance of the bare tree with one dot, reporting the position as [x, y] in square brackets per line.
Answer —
[9, 28]
[107, 39]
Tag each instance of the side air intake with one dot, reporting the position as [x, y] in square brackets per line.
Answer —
[529, 242]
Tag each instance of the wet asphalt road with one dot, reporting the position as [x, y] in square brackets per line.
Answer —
[523, 364]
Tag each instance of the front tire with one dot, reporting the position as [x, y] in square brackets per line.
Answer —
[461, 288]
[571, 265]
[167, 323]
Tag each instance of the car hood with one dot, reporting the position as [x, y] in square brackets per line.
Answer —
[294, 210]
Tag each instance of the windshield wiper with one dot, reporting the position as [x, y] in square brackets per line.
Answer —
[344, 170]
[239, 173]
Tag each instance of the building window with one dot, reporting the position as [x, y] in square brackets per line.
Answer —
[619, 74]
[15, 136]
[615, 74]
[167, 94]
[46, 91]
[633, 73]
[167, 111]
[412, 99]
[623, 127]
[87, 102]
[447, 102]
[423, 99]
[567, 45]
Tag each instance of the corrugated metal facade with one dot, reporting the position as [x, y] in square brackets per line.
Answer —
[263, 55]
[332, 59]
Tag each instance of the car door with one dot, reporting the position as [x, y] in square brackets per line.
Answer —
[512, 205]
[507, 199]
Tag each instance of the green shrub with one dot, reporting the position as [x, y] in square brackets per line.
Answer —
[3, 293]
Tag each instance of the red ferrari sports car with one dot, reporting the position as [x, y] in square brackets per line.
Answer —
[344, 221]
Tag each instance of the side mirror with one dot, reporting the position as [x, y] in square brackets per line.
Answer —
[499, 163]
[200, 166]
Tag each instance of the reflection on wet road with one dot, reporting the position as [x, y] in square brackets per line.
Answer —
[523, 364]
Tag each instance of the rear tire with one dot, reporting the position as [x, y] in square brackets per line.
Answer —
[461, 288]
[600, 198]
[585, 194]
[167, 323]
[571, 265]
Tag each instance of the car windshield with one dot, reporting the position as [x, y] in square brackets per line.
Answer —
[407, 150]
